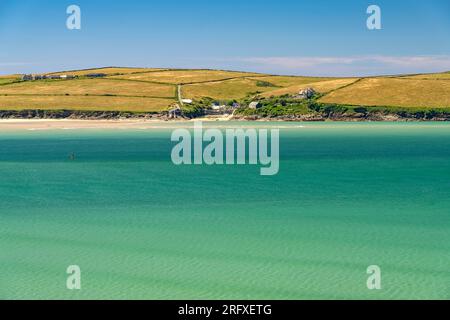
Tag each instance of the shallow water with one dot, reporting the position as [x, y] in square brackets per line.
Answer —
[347, 196]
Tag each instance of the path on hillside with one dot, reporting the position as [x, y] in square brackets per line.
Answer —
[180, 99]
[342, 87]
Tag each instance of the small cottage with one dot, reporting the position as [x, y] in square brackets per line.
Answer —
[307, 93]
[255, 105]
[175, 112]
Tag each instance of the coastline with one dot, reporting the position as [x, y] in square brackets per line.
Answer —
[72, 124]
[10, 125]
[112, 118]
[32, 120]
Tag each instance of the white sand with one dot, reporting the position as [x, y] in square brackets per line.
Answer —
[66, 124]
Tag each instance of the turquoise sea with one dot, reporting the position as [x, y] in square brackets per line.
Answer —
[347, 196]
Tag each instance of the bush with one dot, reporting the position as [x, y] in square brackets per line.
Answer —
[264, 84]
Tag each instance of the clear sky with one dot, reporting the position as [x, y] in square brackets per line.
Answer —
[304, 37]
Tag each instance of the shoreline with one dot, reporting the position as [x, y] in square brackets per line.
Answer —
[164, 117]
[73, 124]
[71, 120]
[143, 124]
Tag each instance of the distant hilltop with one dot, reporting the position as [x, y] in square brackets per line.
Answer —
[186, 93]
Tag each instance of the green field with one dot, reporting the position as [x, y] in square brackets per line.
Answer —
[430, 76]
[89, 87]
[84, 103]
[224, 90]
[289, 81]
[186, 76]
[9, 79]
[157, 90]
[109, 71]
[6, 81]
[323, 87]
[396, 92]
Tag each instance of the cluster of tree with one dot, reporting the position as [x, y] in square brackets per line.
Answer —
[264, 84]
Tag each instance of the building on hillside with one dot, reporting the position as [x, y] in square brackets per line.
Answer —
[217, 106]
[307, 93]
[255, 105]
[175, 112]
[32, 77]
[52, 77]
[187, 101]
[66, 76]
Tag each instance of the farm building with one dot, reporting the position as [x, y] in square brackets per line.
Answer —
[32, 77]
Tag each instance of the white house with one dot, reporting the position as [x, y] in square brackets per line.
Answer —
[218, 107]
[255, 105]
[307, 93]
[66, 76]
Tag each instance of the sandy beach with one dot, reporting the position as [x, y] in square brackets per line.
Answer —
[8, 125]
[49, 124]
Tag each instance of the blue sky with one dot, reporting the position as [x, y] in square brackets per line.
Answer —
[304, 37]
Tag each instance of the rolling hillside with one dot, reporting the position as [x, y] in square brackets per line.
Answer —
[157, 90]
[396, 92]
[9, 79]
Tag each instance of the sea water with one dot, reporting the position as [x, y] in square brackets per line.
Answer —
[347, 196]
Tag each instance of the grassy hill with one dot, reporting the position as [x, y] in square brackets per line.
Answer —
[97, 87]
[185, 76]
[154, 90]
[398, 92]
[111, 71]
[323, 86]
[429, 76]
[9, 79]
